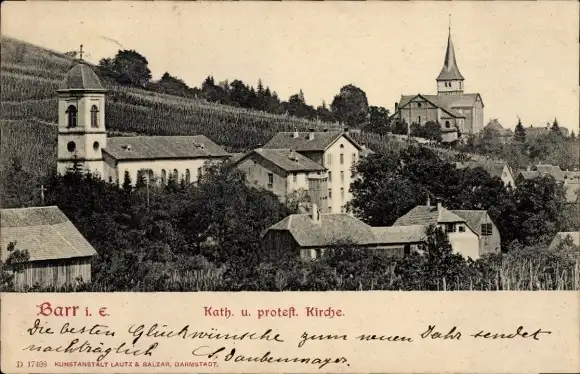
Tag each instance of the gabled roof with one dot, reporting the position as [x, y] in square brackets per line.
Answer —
[473, 218]
[45, 232]
[448, 103]
[81, 77]
[527, 174]
[333, 228]
[427, 215]
[163, 147]
[285, 159]
[450, 71]
[494, 168]
[302, 142]
[496, 126]
[553, 170]
[400, 234]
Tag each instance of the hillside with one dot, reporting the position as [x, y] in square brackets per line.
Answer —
[31, 74]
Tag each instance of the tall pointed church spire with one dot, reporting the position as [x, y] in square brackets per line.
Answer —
[450, 79]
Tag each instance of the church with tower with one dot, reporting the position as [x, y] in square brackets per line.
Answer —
[457, 112]
[83, 142]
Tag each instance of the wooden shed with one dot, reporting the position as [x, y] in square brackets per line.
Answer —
[59, 253]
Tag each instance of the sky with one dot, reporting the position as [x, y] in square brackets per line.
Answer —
[522, 57]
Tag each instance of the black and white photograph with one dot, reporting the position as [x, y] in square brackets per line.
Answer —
[283, 147]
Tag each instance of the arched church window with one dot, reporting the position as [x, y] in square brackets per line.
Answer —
[447, 124]
[72, 116]
[94, 116]
[175, 175]
[163, 176]
[460, 84]
[71, 146]
[419, 105]
[96, 146]
[187, 176]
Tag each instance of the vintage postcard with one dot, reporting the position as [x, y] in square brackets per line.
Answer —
[298, 187]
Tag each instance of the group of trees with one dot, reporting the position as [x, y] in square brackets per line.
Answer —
[349, 107]
[549, 145]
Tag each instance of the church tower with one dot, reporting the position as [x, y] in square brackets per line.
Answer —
[450, 80]
[81, 121]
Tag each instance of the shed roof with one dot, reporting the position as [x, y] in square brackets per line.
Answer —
[45, 232]
[163, 147]
[307, 140]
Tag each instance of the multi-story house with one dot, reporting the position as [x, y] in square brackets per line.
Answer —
[336, 151]
[286, 173]
[497, 169]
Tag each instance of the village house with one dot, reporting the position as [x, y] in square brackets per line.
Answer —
[310, 235]
[287, 174]
[336, 151]
[505, 135]
[83, 140]
[59, 254]
[569, 180]
[465, 234]
[457, 112]
[497, 169]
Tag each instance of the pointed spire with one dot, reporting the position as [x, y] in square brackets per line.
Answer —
[450, 70]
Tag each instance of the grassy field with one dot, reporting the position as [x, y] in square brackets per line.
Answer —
[28, 109]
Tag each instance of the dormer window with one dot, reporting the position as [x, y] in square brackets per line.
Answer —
[94, 116]
[71, 112]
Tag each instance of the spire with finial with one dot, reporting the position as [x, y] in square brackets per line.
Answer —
[450, 79]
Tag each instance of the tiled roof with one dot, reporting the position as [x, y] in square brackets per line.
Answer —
[333, 228]
[307, 141]
[552, 170]
[449, 103]
[400, 234]
[450, 71]
[472, 218]
[526, 174]
[496, 126]
[427, 215]
[495, 169]
[236, 157]
[365, 152]
[81, 77]
[287, 159]
[163, 147]
[45, 232]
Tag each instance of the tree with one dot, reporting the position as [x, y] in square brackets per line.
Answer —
[378, 120]
[555, 129]
[351, 106]
[14, 263]
[399, 126]
[520, 133]
[173, 85]
[128, 67]
[127, 183]
[324, 114]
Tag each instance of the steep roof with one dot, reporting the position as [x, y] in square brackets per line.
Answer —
[427, 215]
[472, 218]
[449, 103]
[81, 77]
[332, 229]
[307, 140]
[286, 159]
[163, 147]
[450, 71]
[45, 232]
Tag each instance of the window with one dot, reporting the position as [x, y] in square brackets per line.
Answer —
[199, 173]
[342, 193]
[187, 176]
[71, 146]
[96, 146]
[294, 177]
[330, 193]
[330, 176]
[461, 228]
[342, 158]
[460, 85]
[447, 124]
[329, 209]
[175, 175]
[353, 158]
[94, 116]
[407, 249]
[419, 120]
[342, 176]
[419, 105]
[72, 116]
[342, 146]
[163, 176]
[329, 159]
[270, 180]
[486, 229]
[449, 227]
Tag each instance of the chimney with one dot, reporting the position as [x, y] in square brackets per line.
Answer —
[315, 213]
[295, 135]
[310, 136]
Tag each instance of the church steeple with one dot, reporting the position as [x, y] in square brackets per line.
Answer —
[450, 80]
